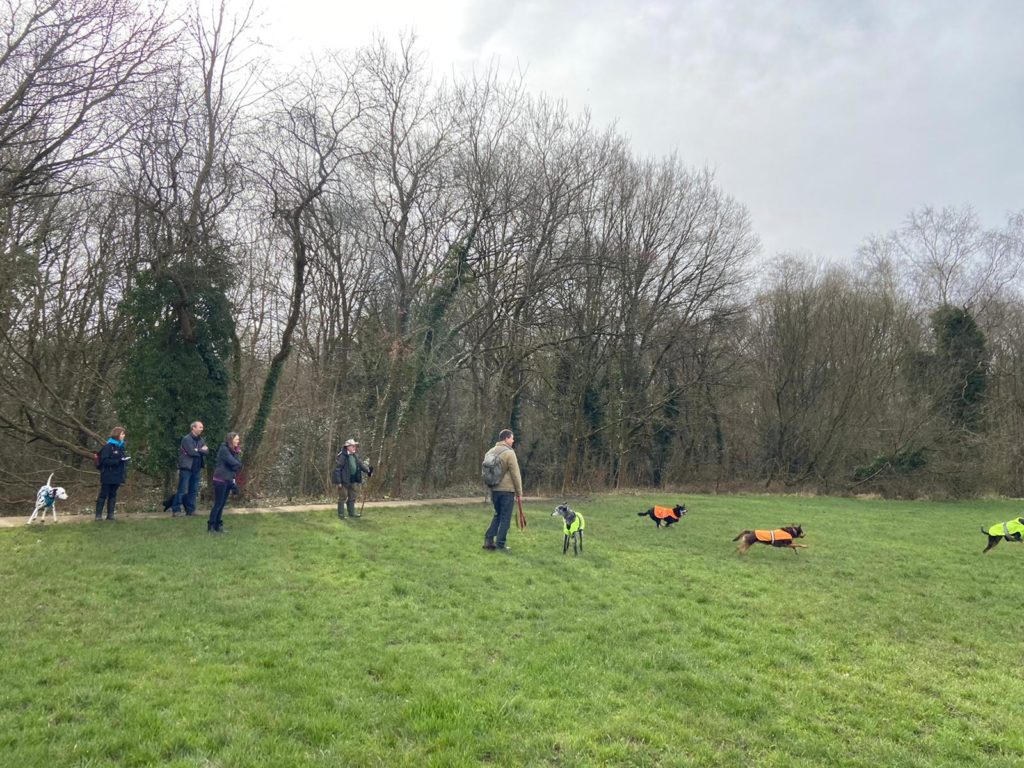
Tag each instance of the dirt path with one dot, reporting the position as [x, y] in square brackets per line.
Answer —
[19, 522]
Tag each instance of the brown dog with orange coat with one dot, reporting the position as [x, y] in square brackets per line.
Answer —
[780, 537]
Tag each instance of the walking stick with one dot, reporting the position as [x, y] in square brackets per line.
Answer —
[522, 517]
[362, 504]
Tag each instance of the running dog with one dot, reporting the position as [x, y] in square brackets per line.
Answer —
[1011, 530]
[665, 515]
[572, 526]
[780, 537]
[46, 498]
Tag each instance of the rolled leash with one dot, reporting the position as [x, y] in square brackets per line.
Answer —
[522, 518]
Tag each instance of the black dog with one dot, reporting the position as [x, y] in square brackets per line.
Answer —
[780, 537]
[572, 526]
[1011, 530]
[664, 514]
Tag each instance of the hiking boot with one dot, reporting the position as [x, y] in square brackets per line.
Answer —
[111, 518]
[489, 544]
[99, 518]
[502, 549]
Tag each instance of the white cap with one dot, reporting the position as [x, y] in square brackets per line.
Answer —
[350, 441]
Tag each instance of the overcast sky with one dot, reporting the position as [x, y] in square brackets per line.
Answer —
[830, 120]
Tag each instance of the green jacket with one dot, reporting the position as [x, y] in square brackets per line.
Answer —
[511, 480]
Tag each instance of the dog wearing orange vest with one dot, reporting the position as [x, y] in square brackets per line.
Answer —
[779, 537]
[666, 515]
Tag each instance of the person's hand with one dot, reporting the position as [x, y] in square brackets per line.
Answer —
[126, 458]
[205, 449]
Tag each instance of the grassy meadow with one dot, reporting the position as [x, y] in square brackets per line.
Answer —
[395, 640]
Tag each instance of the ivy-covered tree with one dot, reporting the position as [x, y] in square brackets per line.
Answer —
[960, 366]
[172, 377]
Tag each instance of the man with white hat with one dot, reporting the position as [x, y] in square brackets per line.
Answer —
[349, 471]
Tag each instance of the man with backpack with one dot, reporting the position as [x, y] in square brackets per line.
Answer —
[349, 471]
[501, 474]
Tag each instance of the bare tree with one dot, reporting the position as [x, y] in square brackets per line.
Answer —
[308, 141]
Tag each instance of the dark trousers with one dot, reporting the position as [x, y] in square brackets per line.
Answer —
[188, 489]
[220, 498]
[504, 502]
[108, 494]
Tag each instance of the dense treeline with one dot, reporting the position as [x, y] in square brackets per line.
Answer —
[354, 248]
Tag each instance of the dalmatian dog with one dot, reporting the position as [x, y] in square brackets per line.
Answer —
[46, 499]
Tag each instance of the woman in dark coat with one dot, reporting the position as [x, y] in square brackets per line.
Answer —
[228, 465]
[113, 463]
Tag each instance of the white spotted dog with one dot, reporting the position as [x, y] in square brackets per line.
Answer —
[572, 526]
[46, 499]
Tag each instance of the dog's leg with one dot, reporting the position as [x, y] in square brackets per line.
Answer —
[35, 513]
[581, 540]
[992, 541]
[565, 544]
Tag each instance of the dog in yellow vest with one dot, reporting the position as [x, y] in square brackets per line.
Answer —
[779, 537]
[1011, 530]
[572, 526]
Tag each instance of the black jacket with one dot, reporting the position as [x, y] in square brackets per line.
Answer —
[228, 464]
[112, 467]
[342, 474]
[189, 455]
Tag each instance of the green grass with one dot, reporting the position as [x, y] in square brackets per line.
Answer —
[298, 640]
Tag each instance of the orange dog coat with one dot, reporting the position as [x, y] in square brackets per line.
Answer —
[665, 512]
[770, 537]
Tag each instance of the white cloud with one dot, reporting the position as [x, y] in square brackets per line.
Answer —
[829, 120]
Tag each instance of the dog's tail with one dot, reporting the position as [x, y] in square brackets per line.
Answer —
[740, 535]
[642, 514]
[983, 530]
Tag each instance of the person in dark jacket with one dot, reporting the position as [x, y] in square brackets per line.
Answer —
[349, 471]
[113, 463]
[229, 463]
[191, 456]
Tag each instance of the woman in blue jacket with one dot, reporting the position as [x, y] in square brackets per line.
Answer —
[228, 465]
[113, 463]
